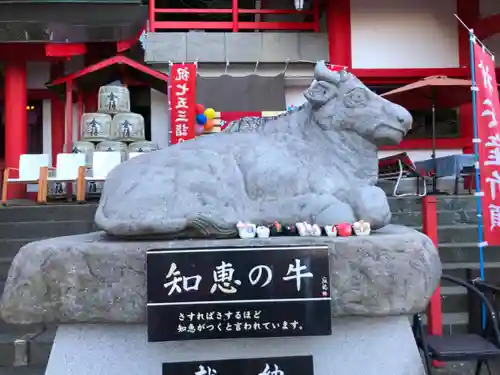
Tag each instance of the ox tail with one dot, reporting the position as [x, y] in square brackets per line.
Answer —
[205, 227]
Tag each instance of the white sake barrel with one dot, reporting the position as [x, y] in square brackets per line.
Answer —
[84, 147]
[95, 127]
[113, 99]
[113, 146]
[127, 127]
[142, 146]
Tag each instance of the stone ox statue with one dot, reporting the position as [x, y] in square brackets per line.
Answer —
[317, 164]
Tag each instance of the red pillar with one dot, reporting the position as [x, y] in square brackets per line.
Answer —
[338, 26]
[90, 101]
[16, 122]
[430, 228]
[90, 97]
[57, 115]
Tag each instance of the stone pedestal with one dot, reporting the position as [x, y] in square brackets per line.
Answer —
[358, 346]
[95, 288]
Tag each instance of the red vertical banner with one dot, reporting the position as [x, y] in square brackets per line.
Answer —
[182, 97]
[488, 131]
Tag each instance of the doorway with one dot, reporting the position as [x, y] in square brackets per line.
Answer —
[140, 102]
[34, 116]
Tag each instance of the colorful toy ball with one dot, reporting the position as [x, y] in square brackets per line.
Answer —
[199, 109]
[210, 113]
[201, 119]
[290, 230]
[199, 129]
[344, 230]
[209, 125]
[276, 229]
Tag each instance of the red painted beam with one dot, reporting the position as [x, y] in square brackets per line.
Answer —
[209, 25]
[57, 115]
[23, 51]
[125, 45]
[486, 27]
[65, 49]
[410, 75]
[338, 26]
[230, 11]
[426, 144]
[68, 118]
[468, 11]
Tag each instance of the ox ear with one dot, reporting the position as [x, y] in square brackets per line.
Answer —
[320, 93]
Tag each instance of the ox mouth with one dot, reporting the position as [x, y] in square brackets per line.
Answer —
[388, 135]
[390, 127]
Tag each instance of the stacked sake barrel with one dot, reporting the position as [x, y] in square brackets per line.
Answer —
[112, 128]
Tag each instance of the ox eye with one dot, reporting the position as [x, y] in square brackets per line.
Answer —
[356, 98]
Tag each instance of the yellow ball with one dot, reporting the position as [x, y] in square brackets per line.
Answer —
[210, 113]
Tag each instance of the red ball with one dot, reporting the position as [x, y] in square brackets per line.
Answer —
[199, 108]
[344, 229]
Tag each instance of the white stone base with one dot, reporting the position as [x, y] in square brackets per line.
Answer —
[358, 346]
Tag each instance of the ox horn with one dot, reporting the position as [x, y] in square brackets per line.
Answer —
[322, 73]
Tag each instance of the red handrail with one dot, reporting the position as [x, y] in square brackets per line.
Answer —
[235, 25]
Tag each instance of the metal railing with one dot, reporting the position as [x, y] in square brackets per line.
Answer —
[233, 23]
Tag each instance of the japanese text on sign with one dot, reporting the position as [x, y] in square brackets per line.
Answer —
[224, 293]
[489, 147]
[223, 278]
[182, 101]
[227, 321]
[267, 370]
[297, 365]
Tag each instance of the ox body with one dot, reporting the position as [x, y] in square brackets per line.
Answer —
[317, 163]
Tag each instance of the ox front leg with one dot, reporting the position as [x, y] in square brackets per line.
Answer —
[328, 210]
[370, 204]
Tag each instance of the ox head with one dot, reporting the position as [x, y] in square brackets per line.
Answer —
[340, 101]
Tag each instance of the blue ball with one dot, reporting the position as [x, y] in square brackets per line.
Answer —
[201, 119]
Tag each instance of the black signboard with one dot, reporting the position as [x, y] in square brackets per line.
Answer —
[214, 293]
[300, 365]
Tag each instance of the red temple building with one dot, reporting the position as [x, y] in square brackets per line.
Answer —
[386, 43]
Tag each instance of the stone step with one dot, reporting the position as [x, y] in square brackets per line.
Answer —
[447, 202]
[4, 268]
[39, 343]
[44, 229]
[454, 299]
[458, 233]
[22, 370]
[459, 269]
[41, 346]
[467, 253]
[453, 323]
[51, 212]
[10, 247]
[445, 217]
